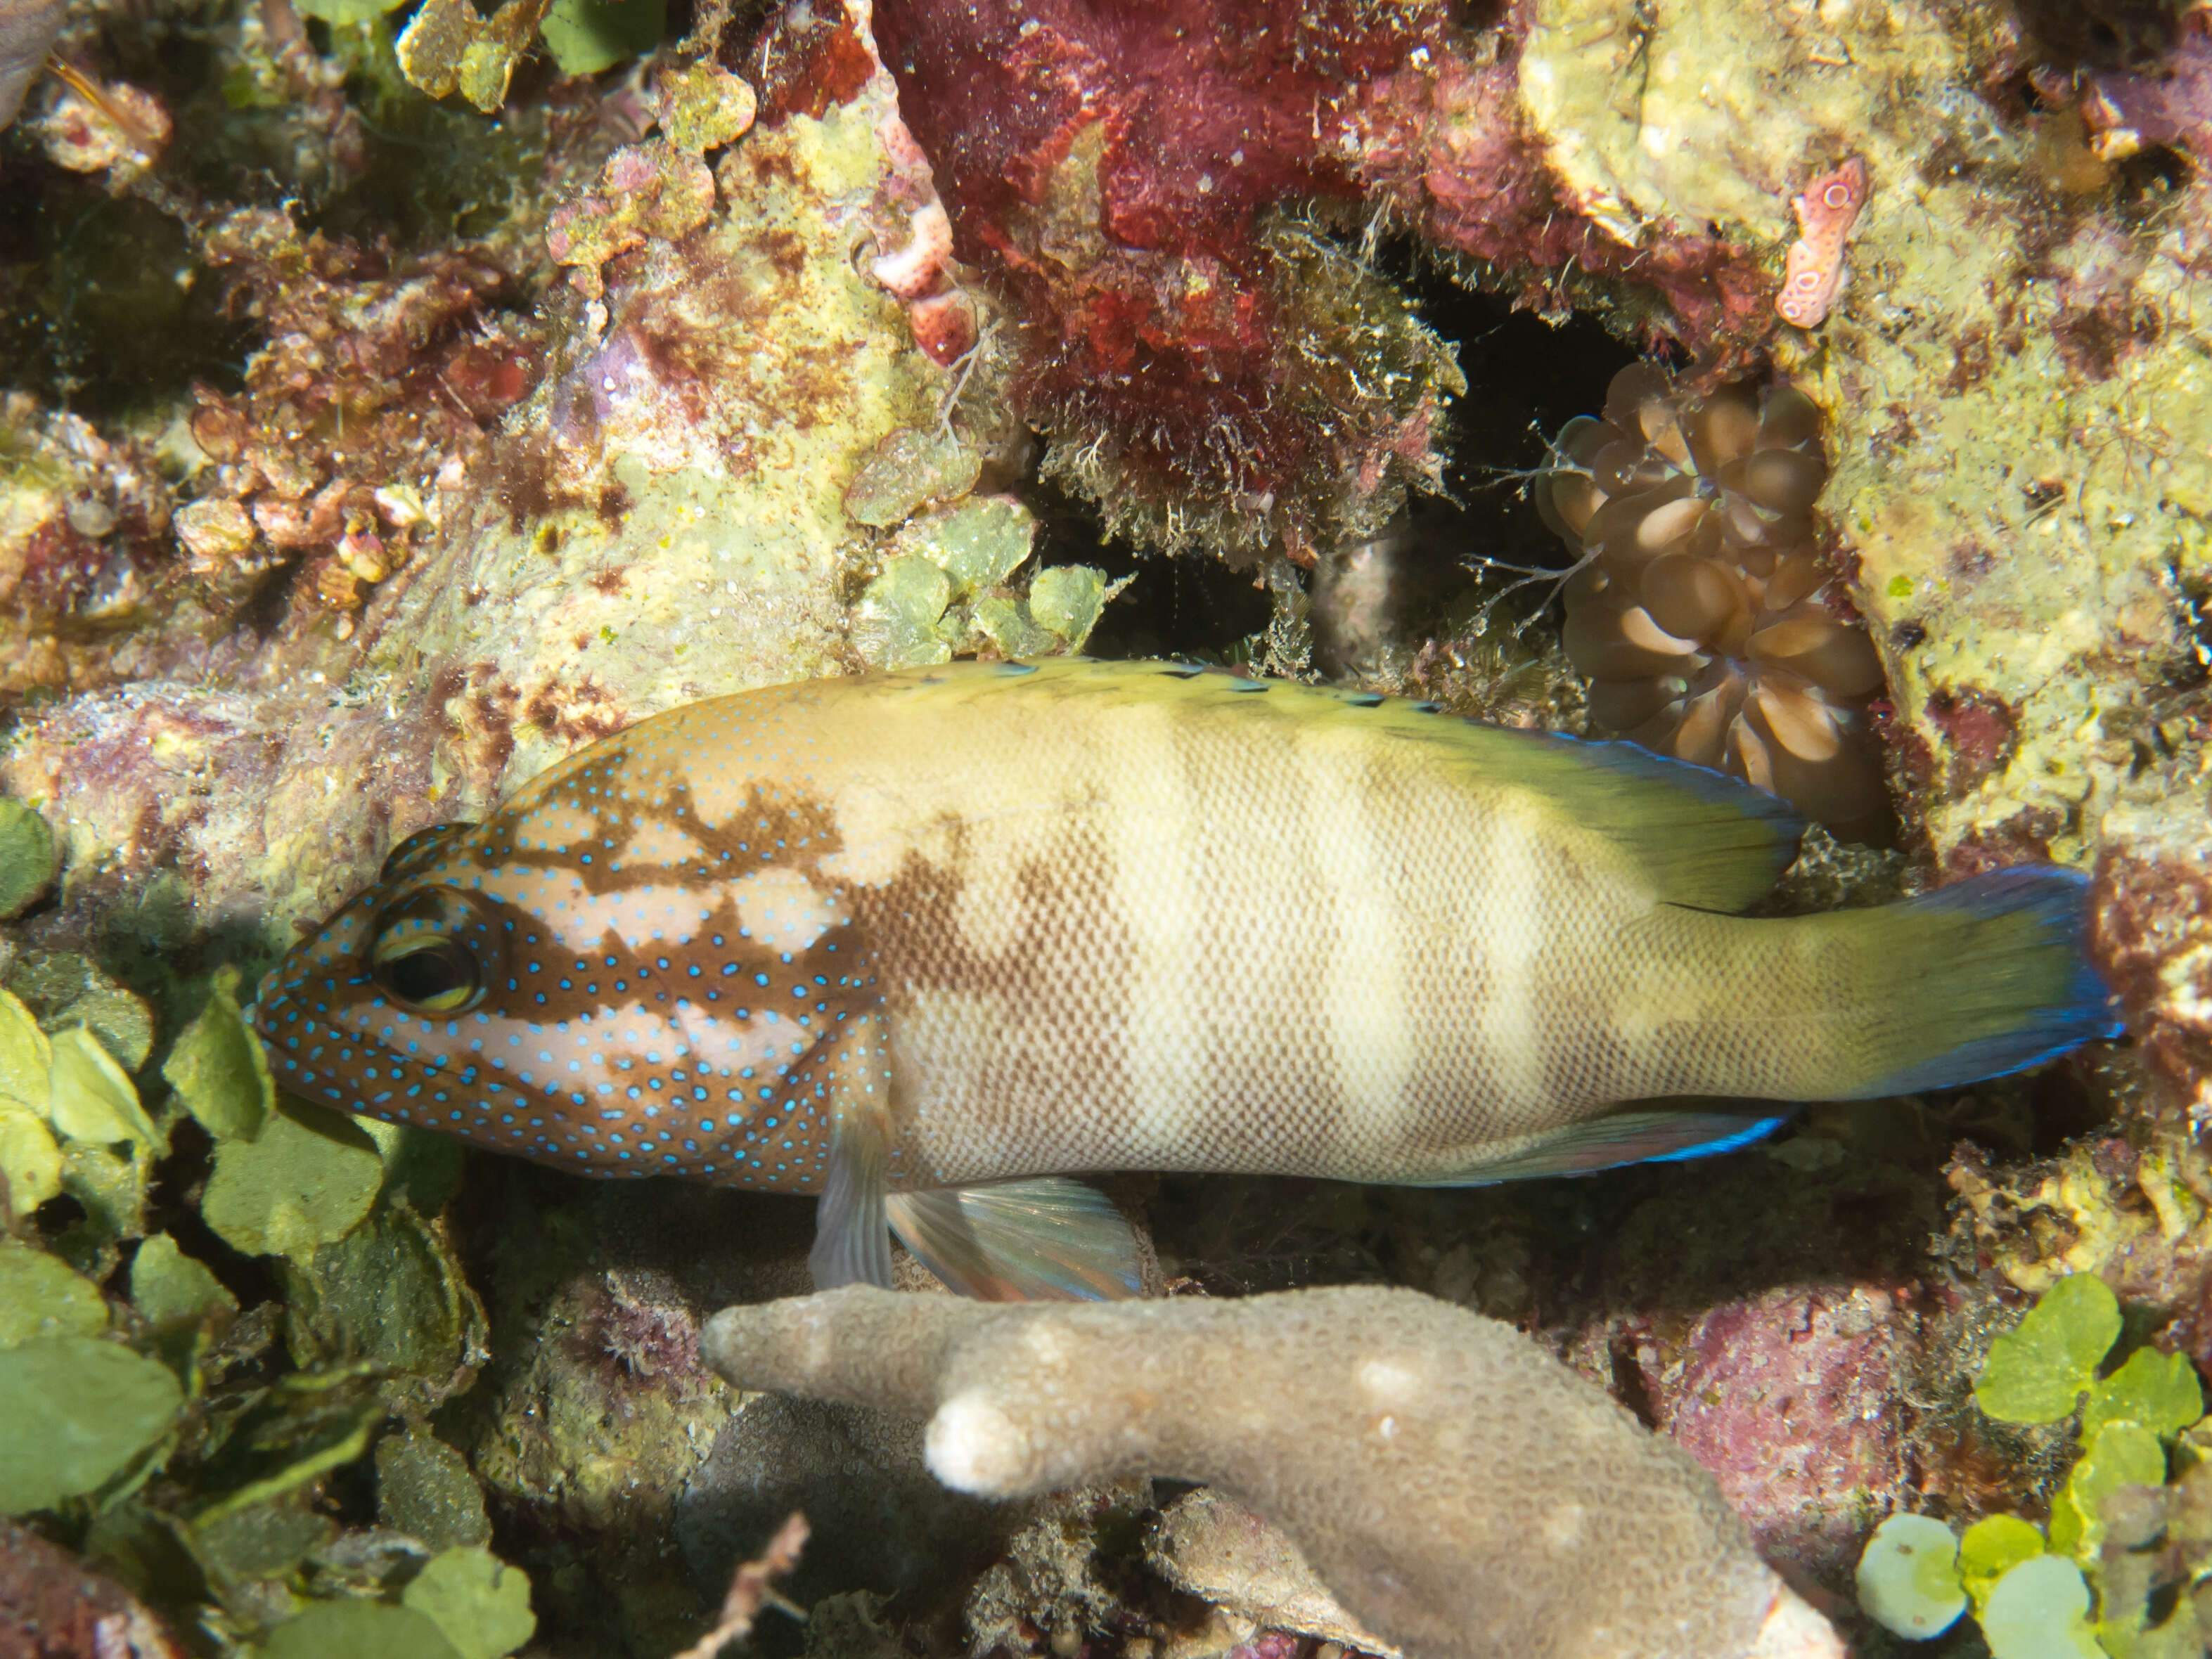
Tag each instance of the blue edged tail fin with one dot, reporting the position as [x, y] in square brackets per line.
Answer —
[1990, 976]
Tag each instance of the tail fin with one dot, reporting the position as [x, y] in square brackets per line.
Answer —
[1987, 977]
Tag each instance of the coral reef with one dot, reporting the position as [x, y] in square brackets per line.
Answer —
[1456, 1486]
[85, 555]
[1701, 606]
[1204, 365]
[371, 402]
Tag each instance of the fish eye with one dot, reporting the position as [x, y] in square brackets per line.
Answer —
[417, 844]
[434, 950]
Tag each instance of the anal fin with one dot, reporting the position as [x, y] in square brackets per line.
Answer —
[1646, 1135]
[1045, 1240]
[851, 1244]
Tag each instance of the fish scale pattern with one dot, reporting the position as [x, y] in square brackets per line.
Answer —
[1088, 916]
[1293, 955]
[1010, 922]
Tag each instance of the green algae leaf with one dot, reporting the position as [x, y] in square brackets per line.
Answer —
[220, 1073]
[77, 1409]
[307, 1180]
[29, 860]
[908, 469]
[586, 36]
[26, 1056]
[159, 918]
[420, 1165]
[293, 1433]
[30, 1160]
[266, 1541]
[2123, 1454]
[1908, 1576]
[111, 1184]
[1005, 622]
[93, 1099]
[424, 1489]
[978, 543]
[2040, 1610]
[1992, 1547]
[64, 989]
[358, 1630]
[896, 623]
[1068, 598]
[2158, 1390]
[124, 1024]
[168, 1287]
[391, 1293]
[2035, 1373]
[480, 1603]
[39, 1297]
[703, 106]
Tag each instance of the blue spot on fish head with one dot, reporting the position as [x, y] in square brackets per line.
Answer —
[545, 982]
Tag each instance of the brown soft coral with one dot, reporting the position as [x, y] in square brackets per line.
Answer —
[1700, 611]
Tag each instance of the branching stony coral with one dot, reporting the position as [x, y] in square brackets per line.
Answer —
[1700, 610]
[1462, 1494]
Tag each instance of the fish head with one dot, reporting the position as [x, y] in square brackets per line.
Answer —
[591, 979]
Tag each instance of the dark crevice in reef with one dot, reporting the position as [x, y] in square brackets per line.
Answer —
[1173, 606]
[102, 309]
[1526, 379]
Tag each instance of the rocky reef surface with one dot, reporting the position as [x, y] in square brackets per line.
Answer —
[395, 400]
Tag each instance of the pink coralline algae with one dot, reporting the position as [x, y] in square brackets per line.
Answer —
[1133, 182]
[1442, 146]
[1115, 172]
[1813, 272]
[1788, 1400]
[918, 269]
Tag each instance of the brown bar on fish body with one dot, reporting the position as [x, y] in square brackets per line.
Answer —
[925, 943]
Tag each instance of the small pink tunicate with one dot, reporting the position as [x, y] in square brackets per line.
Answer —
[1812, 270]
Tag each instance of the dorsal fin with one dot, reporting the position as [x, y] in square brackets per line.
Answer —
[1710, 841]
[1707, 841]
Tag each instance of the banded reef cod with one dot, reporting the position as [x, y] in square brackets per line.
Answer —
[925, 943]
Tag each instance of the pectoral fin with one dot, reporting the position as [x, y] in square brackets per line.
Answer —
[851, 1244]
[1047, 1240]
